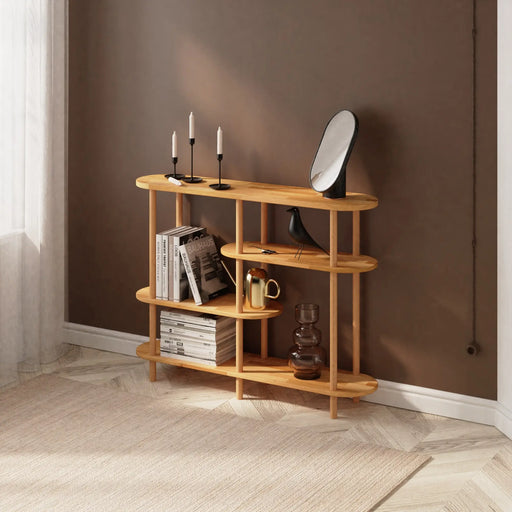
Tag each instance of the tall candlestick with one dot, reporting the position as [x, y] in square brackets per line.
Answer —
[191, 126]
[174, 145]
[192, 178]
[219, 141]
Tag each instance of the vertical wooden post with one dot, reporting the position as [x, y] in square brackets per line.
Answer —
[264, 240]
[239, 296]
[152, 282]
[179, 210]
[356, 299]
[333, 321]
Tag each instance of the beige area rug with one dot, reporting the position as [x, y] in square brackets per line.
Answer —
[72, 446]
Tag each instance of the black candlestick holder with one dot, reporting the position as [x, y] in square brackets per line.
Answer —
[191, 178]
[174, 174]
[220, 185]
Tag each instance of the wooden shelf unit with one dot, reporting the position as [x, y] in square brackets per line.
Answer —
[333, 383]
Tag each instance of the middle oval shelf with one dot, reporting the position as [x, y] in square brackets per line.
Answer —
[311, 258]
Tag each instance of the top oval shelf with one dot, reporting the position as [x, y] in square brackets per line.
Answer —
[262, 193]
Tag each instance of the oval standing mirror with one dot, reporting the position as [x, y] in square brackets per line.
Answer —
[328, 171]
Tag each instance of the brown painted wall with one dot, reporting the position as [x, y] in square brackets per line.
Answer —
[272, 73]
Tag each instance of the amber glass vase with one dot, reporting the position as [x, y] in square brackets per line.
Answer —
[306, 356]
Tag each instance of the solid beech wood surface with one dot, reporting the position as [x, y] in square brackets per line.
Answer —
[276, 372]
[262, 192]
[225, 305]
[311, 258]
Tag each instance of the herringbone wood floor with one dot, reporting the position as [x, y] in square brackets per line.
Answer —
[471, 466]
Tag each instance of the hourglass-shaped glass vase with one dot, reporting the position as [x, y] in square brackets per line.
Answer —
[306, 356]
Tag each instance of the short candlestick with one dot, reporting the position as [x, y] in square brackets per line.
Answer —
[219, 185]
[174, 174]
[191, 178]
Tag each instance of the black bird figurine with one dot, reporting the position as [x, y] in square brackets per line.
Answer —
[299, 234]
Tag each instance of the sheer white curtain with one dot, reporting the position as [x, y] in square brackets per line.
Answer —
[32, 183]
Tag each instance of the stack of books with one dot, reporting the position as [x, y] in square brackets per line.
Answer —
[197, 337]
[171, 278]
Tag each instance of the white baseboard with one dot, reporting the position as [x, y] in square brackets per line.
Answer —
[433, 401]
[102, 339]
[394, 394]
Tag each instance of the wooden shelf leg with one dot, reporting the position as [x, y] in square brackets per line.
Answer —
[152, 282]
[179, 210]
[239, 297]
[333, 407]
[264, 339]
[152, 341]
[264, 240]
[333, 313]
[356, 300]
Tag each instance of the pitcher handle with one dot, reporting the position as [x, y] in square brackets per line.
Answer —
[277, 287]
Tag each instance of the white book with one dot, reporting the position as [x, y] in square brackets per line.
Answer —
[165, 260]
[170, 258]
[158, 265]
[198, 334]
[181, 343]
[165, 268]
[179, 276]
[194, 351]
[200, 320]
[208, 362]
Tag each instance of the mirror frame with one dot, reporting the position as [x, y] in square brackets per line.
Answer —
[338, 188]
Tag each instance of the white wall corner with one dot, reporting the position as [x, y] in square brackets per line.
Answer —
[504, 214]
[503, 419]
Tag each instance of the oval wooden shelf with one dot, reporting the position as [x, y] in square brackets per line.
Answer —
[225, 305]
[311, 258]
[262, 192]
[276, 372]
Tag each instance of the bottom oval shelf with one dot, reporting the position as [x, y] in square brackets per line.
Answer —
[276, 372]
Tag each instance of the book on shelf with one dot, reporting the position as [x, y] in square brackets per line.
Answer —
[197, 349]
[206, 275]
[208, 362]
[193, 331]
[158, 266]
[202, 320]
[178, 276]
[203, 358]
[163, 261]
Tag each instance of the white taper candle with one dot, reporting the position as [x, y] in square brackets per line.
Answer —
[174, 145]
[191, 127]
[219, 141]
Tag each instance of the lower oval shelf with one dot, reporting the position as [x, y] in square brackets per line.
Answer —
[276, 372]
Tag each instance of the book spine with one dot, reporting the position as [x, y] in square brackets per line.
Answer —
[176, 269]
[177, 331]
[226, 346]
[212, 337]
[189, 351]
[158, 266]
[181, 357]
[185, 317]
[170, 262]
[226, 353]
[173, 336]
[165, 267]
[191, 278]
